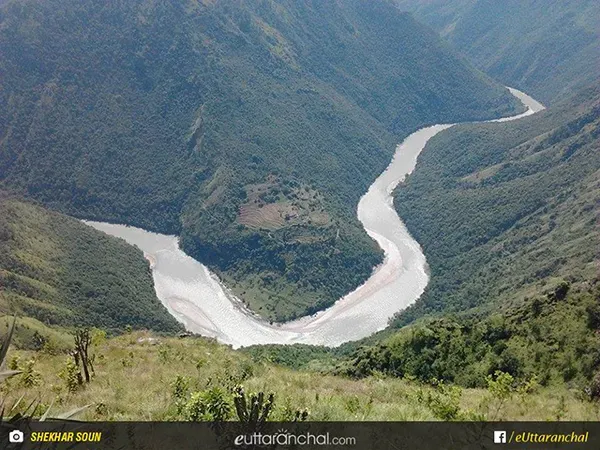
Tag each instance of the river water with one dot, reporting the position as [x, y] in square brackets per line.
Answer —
[194, 296]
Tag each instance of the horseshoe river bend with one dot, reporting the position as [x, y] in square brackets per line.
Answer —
[194, 295]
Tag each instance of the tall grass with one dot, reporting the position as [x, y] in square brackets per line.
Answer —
[135, 379]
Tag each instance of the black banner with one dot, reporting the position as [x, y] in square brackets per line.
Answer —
[301, 435]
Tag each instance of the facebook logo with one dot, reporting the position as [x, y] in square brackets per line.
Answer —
[499, 437]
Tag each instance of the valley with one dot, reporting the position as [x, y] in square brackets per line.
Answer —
[549, 59]
[317, 210]
[169, 116]
[205, 306]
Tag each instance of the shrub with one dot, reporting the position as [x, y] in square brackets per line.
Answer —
[443, 402]
[180, 386]
[30, 377]
[593, 313]
[500, 389]
[594, 389]
[253, 409]
[291, 414]
[179, 390]
[210, 405]
[14, 363]
[71, 375]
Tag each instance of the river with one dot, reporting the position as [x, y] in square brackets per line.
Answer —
[194, 296]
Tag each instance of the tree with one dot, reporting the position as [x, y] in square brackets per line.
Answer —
[83, 340]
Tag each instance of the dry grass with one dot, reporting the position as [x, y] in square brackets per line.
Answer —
[134, 375]
[271, 216]
[271, 206]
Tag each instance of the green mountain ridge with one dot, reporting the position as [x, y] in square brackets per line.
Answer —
[248, 128]
[63, 273]
[519, 204]
[548, 49]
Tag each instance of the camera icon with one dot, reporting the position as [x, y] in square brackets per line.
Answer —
[15, 436]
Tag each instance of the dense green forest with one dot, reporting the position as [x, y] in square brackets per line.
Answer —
[549, 339]
[552, 338]
[250, 128]
[500, 209]
[61, 272]
[547, 48]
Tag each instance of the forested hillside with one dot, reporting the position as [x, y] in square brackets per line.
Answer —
[502, 209]
[552, 338]
[545, 48]
[507, 214]
[250, 128]
[58, 270]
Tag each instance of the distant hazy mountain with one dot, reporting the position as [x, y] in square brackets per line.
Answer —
[62, 272]
[250, 128]
[547, 48]
[503, 210]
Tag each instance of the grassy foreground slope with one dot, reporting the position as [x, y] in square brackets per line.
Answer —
[502, 210]
[141, 377]
[548, 49]
[250, 128]
[59, 271]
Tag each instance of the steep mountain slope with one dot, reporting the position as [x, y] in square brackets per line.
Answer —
[62, 272]
[553, 339]
[502, 209]
[441, 15]
[546, 48]
[249, 128]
